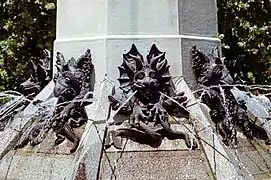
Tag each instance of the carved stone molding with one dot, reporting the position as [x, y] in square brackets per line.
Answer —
[146, 96]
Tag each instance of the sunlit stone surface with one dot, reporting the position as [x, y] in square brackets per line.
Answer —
[108, 28]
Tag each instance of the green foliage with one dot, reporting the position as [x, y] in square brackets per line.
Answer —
[26, 28]
[245, 31]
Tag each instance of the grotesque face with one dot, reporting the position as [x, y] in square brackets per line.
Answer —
[208, 72]
[226, 78]
[146, 82]
[148, 76]
[71, 75]
[67, 86]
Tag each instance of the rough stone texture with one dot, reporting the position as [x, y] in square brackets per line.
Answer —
[43, 163]
[198, 17]
[255, 156]
[48, 157]
[89, 152]
[222, 163]
[142, 17]
[267, 127]
[10, 136]
[35, 166]
[40, 162]
[5, 165]
[93, 154]
[48, 145]
[154, 165]
[205, 46]
[81, 172]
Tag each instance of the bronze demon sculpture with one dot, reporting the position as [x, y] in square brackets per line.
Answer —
[73, 88]
[40, 76]
[149, 85]
[214, 81]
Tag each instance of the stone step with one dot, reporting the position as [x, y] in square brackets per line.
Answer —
[25, 166]
[255, 156]
[153, 165]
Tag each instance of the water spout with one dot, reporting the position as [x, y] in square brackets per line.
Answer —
[110, 120]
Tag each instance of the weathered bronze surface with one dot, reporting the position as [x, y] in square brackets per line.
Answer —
[73, 88]
[149, 109]
[215, 83]
[40, 76]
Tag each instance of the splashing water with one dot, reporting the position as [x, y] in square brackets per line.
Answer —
[252, 87]
[96, 109]
[13, 103]
[237, 162]
[189, 158]
[227, 115]
[110, 120]
[85, 149]
[179, 104]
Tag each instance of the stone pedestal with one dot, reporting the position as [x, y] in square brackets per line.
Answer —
[108, 28]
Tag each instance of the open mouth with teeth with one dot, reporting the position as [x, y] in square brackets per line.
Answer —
[64, 92]
[147, 93]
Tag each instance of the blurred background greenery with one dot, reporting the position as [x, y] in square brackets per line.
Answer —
[26, 28]
[245, 31]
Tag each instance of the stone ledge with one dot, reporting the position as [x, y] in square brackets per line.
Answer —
[10, 136]
[22, 167]
[113, 37]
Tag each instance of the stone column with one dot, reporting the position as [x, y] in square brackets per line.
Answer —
[108, 28]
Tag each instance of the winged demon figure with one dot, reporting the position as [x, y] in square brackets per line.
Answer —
[146, 95]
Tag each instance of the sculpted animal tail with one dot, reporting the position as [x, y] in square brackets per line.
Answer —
[22, 144]
[69, 134]
[34, 136]
[143, 131]
[178, 134]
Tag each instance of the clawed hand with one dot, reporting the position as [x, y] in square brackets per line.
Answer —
[180, 98]
[158, 112]
[115, 104]
[137, 115]
[63, 113]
